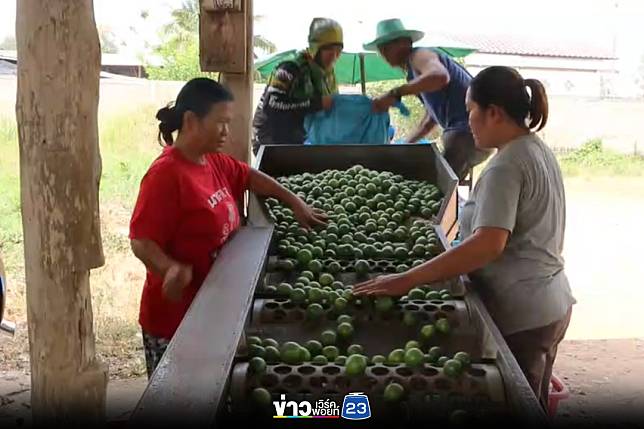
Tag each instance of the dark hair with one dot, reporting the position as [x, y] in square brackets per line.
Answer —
[197, 95]
[504, 87]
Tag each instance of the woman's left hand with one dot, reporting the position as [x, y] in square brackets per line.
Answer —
[392, 285]
[307, 216]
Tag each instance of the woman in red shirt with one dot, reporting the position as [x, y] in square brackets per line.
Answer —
[187, 208]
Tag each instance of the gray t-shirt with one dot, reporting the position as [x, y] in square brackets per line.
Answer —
[521, 190]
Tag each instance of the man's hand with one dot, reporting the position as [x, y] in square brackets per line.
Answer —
[176, 278]
[383, 103]
[327, 102]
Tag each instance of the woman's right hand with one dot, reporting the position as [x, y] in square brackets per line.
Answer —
[327, 102]
[176, 278]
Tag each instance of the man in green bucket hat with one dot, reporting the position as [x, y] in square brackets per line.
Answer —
[298, 87]
[439, 82]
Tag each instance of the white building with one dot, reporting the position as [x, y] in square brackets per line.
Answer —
[566, 66]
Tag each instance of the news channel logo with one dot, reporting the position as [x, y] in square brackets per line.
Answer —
[355, 406]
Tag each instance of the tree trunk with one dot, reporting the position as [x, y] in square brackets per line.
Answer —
[60, 167]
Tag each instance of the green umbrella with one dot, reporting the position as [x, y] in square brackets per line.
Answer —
[354, 68]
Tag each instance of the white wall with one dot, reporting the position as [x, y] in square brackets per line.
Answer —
[561, 76]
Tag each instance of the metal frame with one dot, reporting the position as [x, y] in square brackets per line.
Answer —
[189, 385]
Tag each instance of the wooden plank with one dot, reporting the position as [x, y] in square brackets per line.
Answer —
[520, 396]
[222, 40]
[221, 5]
[242, 87]
[189, 385]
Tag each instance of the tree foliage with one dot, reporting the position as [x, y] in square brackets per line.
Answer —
[179, 49]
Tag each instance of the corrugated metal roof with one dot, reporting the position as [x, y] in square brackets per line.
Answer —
[543, 46]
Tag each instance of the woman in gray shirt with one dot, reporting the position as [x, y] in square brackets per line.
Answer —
[513, 227]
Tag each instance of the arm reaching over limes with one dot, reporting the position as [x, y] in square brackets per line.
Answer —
[484, 246]
[266, 186]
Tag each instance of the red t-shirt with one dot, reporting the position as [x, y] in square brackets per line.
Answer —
[190, 211]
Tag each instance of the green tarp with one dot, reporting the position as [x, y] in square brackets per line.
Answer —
[347, 69]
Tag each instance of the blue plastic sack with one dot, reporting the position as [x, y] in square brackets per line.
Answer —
[350, 121]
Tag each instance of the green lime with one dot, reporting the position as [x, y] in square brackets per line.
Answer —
[326, 279]
[394, 392]
[270, 342]
[257, 365]
[384, 304]
[459, 418]
[414, 357]
[341, 360]
[344, 319]
[345, 330]
[331, 352]
[305, 354]
[308, 274]
[356, 365]
[361, 267]
[313, 346]
[272, 354]
[453, 368]
[416, 294]
[355, 349]
[315, 311]
[378, 359]
[254, 341]
[315, 266]
[334, 267]
[290, 353]
[433, 296]
[303, 280]
[410, 319]
[304, 256]
[412, 345]
[337, 285]
[442, 326]
[256, 351]
[441, 361]
[320, 360]
[298, 296]
[427, 332]
[315, 295]
[284, 289]
[261, 396]
[396, 357]
[328, 337]
[464, 358]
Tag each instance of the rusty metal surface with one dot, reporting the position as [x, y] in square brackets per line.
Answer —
[190, 381]
[413, 161]
[520, 396]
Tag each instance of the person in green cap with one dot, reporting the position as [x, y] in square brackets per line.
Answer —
[439, 82]
[298, 87]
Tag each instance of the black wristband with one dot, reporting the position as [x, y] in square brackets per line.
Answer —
[395, 92]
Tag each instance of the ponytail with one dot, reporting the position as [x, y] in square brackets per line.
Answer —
[504, 87]
[538, 105]
[169, 121]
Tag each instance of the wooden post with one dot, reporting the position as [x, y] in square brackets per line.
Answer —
[60, 167]
[226, 45]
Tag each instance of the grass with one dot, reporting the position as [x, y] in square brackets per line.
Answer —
[128, 145]
[592, 159]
